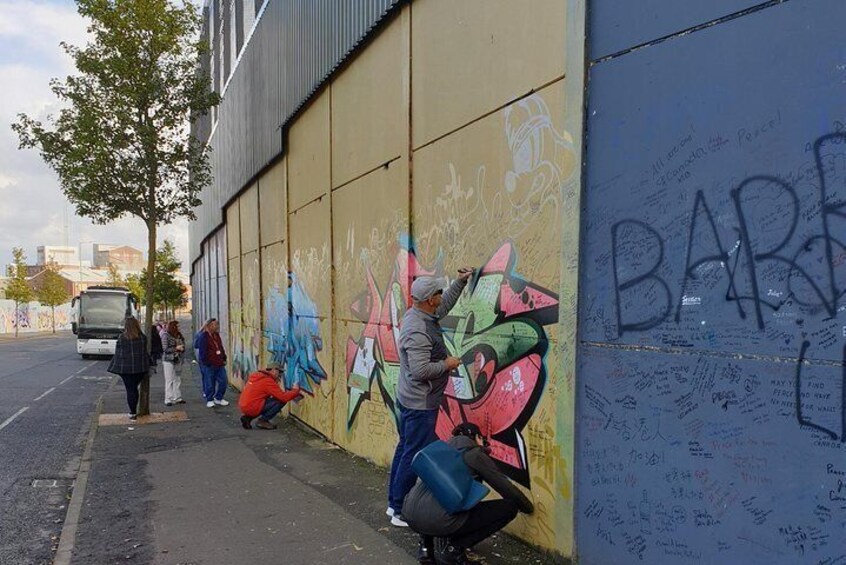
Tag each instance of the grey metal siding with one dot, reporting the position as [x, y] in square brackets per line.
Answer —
[295, 45]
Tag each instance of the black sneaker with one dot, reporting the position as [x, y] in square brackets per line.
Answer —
[247, 422]
[133, 417]
[426, 550]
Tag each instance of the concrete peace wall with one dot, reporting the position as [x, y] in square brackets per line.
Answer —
[712, 388]
[409, 165]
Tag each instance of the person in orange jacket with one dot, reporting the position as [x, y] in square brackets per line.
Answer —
[263, 398]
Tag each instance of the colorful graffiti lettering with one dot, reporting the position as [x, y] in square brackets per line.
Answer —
[293, 332]
[496, 329]
[374, 355]
[244, 352]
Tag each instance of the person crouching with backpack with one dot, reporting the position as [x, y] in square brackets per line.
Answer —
[444, 537]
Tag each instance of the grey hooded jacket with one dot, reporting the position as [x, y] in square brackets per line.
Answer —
[423, 374]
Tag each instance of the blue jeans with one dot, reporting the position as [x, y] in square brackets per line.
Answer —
[416, 431]
[214, 382]
[271, 409]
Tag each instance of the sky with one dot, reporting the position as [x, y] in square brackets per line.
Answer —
[33, 210]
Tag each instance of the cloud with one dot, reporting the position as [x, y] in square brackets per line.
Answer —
[33, 210]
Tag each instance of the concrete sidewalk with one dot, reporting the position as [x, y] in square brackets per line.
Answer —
[205, 491]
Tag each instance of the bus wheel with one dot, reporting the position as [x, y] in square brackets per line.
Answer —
[86, 356]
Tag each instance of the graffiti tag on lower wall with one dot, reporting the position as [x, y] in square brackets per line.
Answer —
[496, 329]
[293, 332]
[32, 317]
[723, 437]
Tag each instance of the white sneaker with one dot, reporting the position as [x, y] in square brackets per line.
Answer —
[390, 512]
[209, 404]
[222, 402]
[397, 520]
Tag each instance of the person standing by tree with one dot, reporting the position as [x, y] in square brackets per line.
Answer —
[131, 362]
[173, 346]
[212, 360]
[121, 142]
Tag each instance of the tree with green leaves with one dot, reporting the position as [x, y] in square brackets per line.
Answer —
[114, 278]
[121, 144]
[168, 291]
[18, 288]
[52, 290]
[135, 284]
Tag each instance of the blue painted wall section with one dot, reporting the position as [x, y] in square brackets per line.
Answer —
[293, 334]
[711, 379]
[617, 25]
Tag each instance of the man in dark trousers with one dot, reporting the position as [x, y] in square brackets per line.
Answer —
[212, 359]
[263, 398]
[446, 536]
[425, 365]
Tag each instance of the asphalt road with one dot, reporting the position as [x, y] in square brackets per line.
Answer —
[48, 395]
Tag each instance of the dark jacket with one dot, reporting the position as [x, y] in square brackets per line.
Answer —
[210, 349]
[425, 514]
[130, 357]
[156, 347]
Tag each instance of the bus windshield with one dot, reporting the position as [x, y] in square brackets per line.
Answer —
[102, 310]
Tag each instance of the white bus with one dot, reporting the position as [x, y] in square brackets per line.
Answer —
[100, 312]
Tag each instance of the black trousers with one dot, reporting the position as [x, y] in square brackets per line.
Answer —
[485, 518]
[131, 383]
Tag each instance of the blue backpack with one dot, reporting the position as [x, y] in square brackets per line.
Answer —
[442, 468]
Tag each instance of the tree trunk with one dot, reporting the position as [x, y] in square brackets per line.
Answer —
[53, 308]
[17, 318]
[144, 397]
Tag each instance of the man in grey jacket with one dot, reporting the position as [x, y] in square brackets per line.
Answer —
[425, 365]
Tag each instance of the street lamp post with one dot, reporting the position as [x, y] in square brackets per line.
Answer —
[79, 258]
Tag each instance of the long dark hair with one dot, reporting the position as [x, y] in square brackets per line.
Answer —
[131, 328]
[173, 328]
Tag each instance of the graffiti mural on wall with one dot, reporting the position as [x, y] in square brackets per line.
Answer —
[374, 356]
[496, 329]
[293, 334]
[755, 253]
[245, 347]
[713, 330]
[32, 317]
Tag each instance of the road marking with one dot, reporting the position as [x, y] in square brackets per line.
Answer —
[45, 394]
[78, 372]
[67, 539]
[15, 415]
